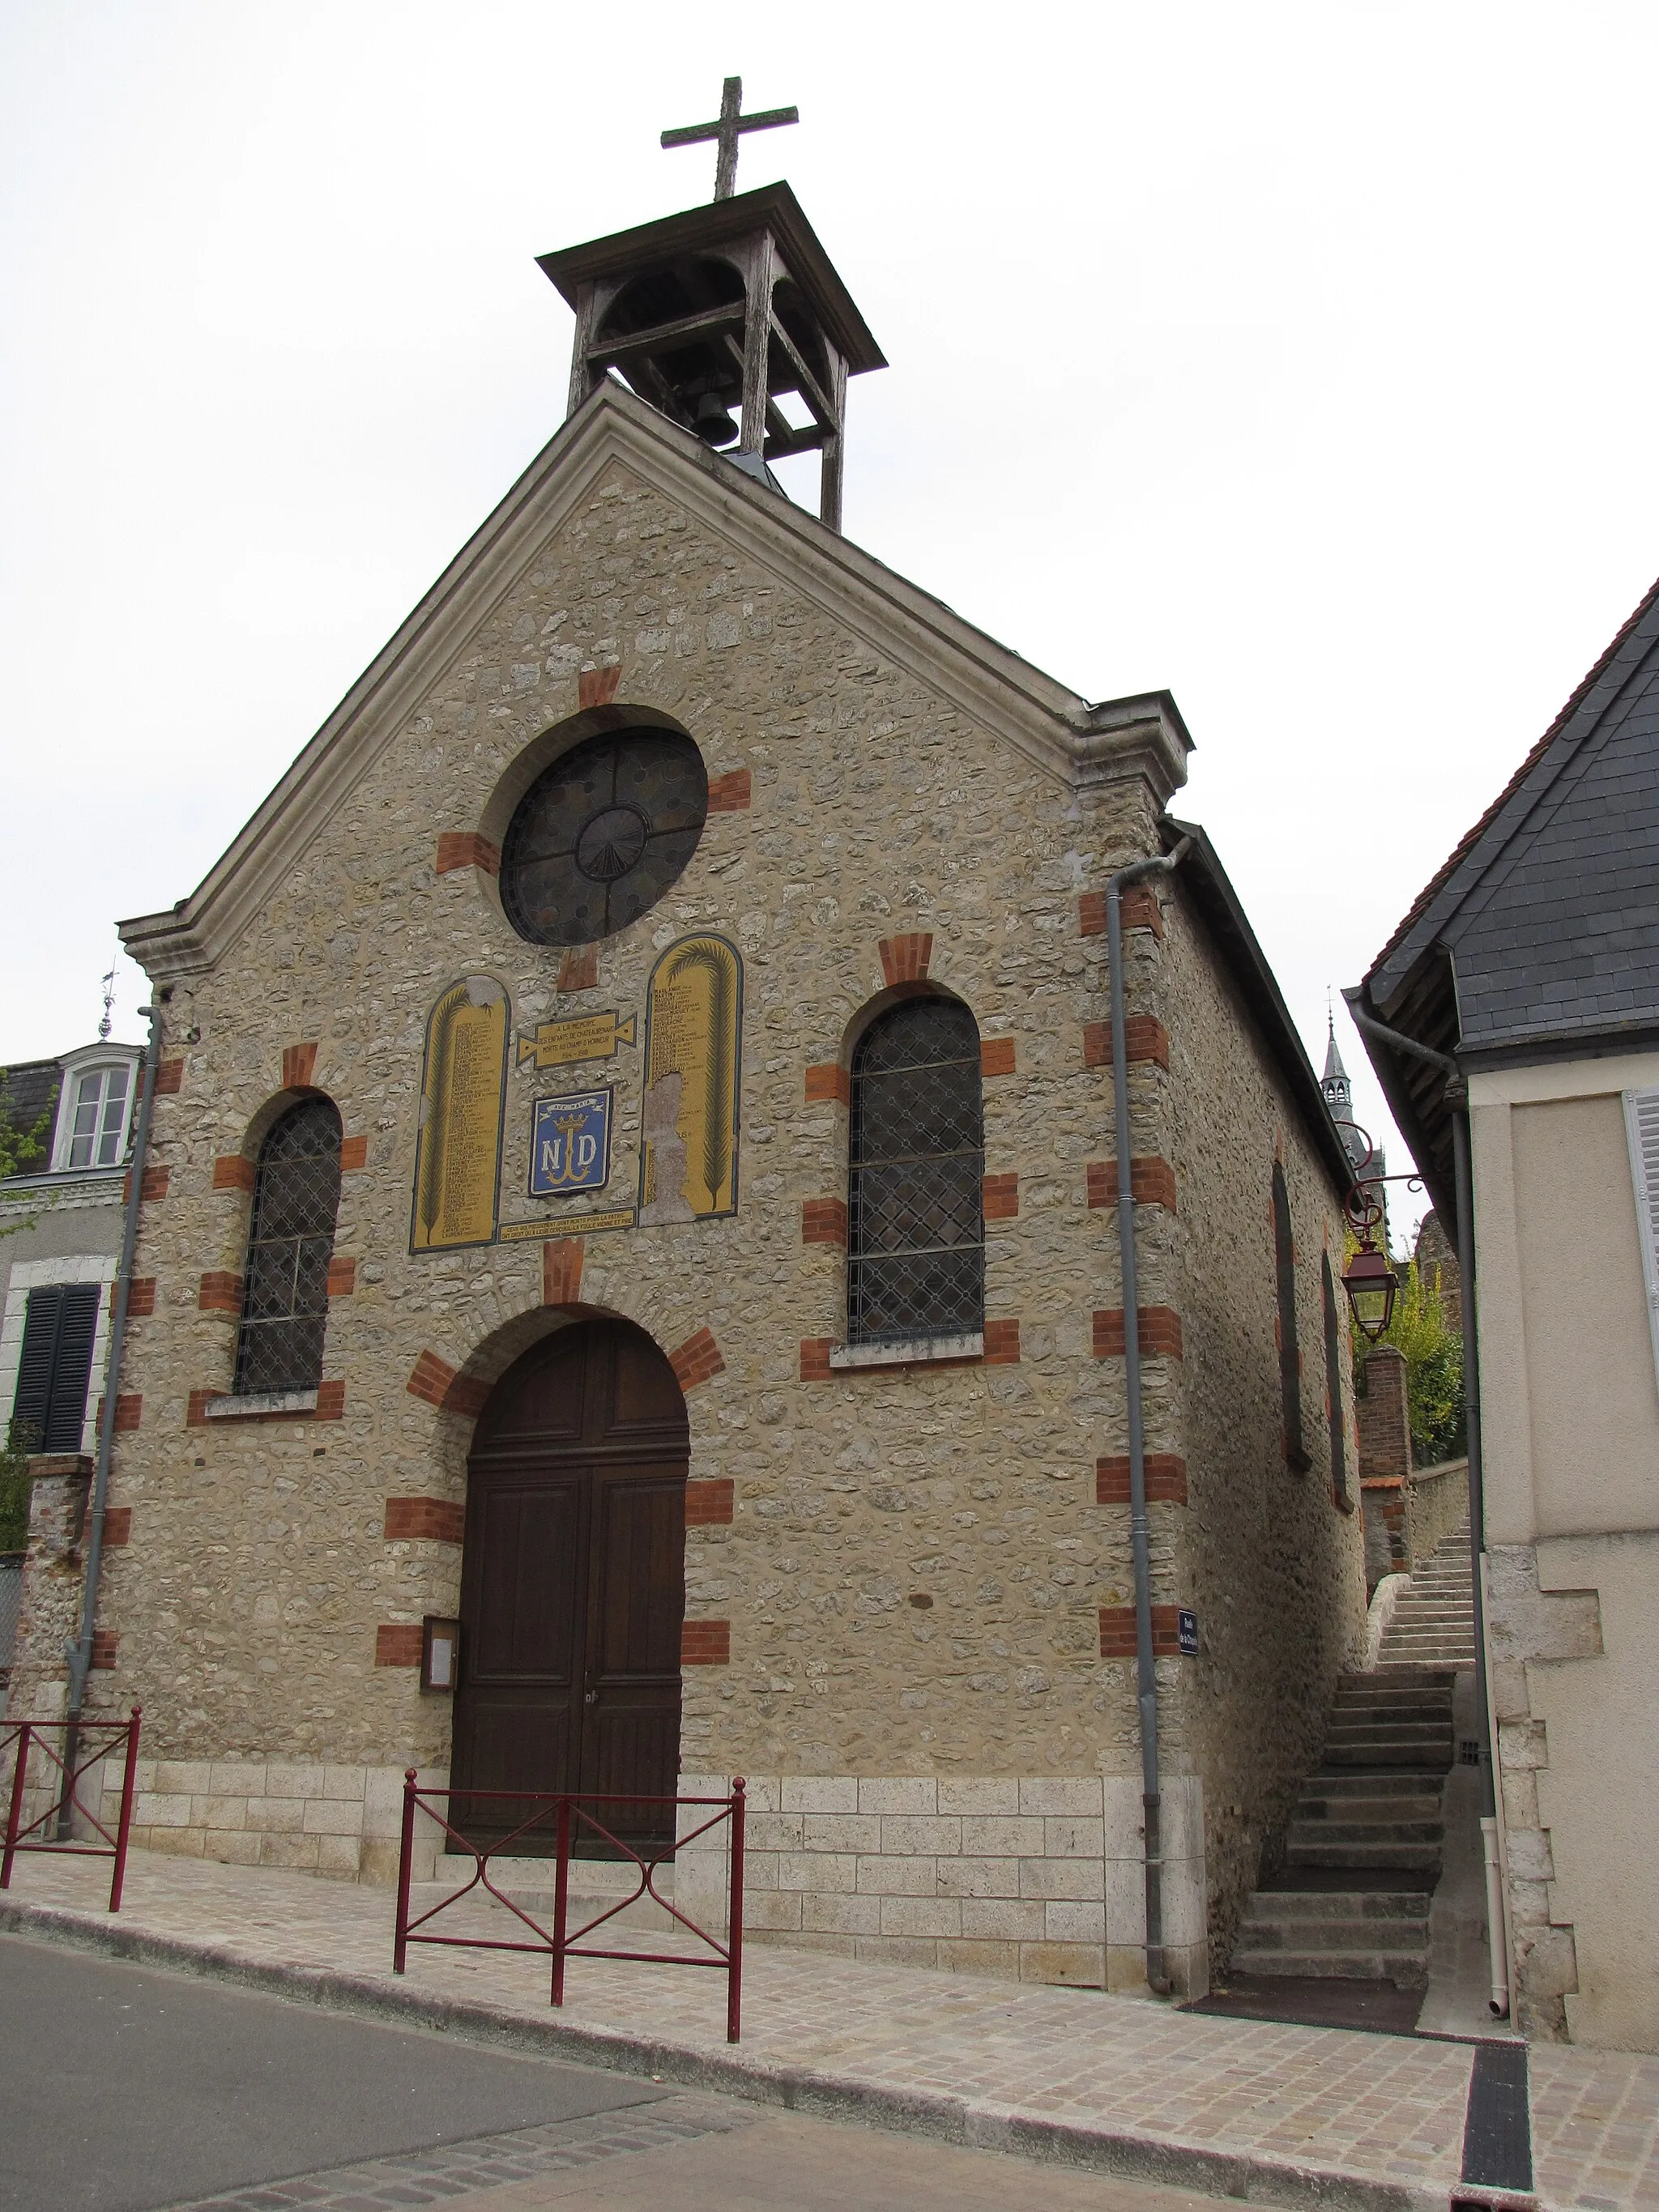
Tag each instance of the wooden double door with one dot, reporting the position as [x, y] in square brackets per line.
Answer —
[572, 1583]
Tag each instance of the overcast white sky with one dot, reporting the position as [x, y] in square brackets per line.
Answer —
[1298, 358]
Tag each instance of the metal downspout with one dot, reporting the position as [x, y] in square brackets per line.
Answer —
[1139, 1532]
[79, 1654]
[1497, 1926]
[1457, 1097]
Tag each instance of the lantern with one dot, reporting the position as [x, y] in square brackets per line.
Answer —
[1370, 1283]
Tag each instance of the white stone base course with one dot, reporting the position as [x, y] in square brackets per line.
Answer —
[1034, 1878]
[346, 1820]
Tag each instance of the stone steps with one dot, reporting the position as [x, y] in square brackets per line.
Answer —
[1351, 1903]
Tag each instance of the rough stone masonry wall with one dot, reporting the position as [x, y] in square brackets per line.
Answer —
[910, 1583]
[1269, 1558]
[250, 1603]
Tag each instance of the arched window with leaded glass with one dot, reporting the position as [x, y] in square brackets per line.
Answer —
[916, 1228]
[296, 1196]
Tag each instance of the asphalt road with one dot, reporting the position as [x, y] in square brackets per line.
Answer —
[123, 2088]
[126, 2089]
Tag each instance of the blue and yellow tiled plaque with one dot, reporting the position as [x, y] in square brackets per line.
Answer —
[570, 1143]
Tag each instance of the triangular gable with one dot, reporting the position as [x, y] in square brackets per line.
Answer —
[1456, 885]
[1049, 725]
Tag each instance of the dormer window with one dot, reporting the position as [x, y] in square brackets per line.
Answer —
[93, 1111]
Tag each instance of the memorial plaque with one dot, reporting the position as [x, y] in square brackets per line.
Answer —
[693, 1045]
[586, 1036]
[463, 1093]
[566, 1224]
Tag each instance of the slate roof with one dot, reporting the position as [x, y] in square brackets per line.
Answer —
[29, 1085]
[1539, 937]
[1549, 906]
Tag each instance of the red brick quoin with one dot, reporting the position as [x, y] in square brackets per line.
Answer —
[696, 1360]
[169, 1078]
[824, 1221]
[424, 1519]
[1138, 909]
[465, 848]
[1117, 1632]
[1166, 1480]
[729, 793]
[298, 1065]
[445, 1387]
[562, 1271]
[1151, 1180]
[708, 1505]
[996, 1056]
[906, 959]
[231, 1171]
[578, 968]
[354, 1153]
[141, 1297]
[596, 687]
[829, 1085]
[105, 1643]
[706, 1644]
[1160, 1333]
[154, 1185]
[342, 1278]
[220, 1294]
[1000, 1197]
[118, 1527]
[1145, 1037]
[398, 1646]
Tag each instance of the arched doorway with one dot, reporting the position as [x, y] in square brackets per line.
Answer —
[572, 1580]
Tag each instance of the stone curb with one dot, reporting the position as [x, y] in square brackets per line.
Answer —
[967, 2122]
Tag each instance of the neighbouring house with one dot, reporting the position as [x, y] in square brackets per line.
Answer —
[60, 1242]
[634, 1171]
[1528, 972]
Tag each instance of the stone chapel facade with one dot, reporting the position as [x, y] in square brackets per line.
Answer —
[882, 1569]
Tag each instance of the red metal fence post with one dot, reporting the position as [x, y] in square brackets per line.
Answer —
[400, 1941]
[16, 1813]
[124, 1827]
[734, 1924]
[560, 1898]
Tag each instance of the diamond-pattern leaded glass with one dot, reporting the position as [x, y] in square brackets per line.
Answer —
[916, 1240]
[296, 1195]
[601, 835]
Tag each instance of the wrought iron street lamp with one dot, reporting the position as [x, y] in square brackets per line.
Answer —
[1369, 1280]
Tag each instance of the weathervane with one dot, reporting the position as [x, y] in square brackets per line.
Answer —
[730, 122]
[106, 1024]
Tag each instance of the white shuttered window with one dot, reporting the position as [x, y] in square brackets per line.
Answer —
[1642, 1123]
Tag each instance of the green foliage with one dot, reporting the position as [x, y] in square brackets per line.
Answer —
[21, 1147]
[15, 1488]
[1433, 1354]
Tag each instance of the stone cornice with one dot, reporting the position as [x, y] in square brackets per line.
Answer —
[1080, 746]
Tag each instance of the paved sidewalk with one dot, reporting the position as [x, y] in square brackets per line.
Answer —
[1297, 2116]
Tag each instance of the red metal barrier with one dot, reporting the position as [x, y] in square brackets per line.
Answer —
[569, 1815]
[85, 1744]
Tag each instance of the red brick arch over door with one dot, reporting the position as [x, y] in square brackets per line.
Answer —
[573, 1581]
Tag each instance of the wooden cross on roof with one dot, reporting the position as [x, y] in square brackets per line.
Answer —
[726, 129]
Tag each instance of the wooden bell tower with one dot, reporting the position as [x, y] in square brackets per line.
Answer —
[733, 306]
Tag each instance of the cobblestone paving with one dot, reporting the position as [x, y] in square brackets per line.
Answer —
[1594, 2128]
[450, 2170]
[1385, 2108]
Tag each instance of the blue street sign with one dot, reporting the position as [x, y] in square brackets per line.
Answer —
[1186, 1630]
